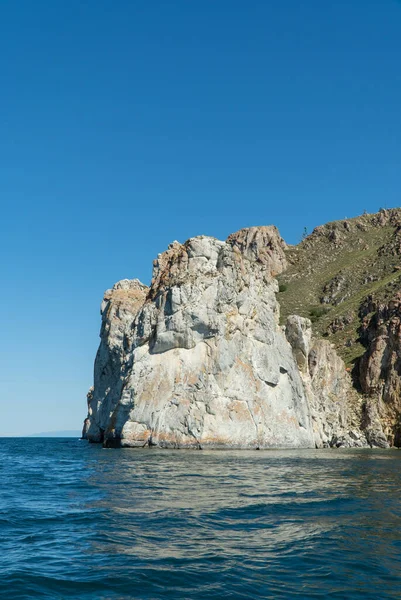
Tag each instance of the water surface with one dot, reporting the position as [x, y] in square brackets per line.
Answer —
[78, 521]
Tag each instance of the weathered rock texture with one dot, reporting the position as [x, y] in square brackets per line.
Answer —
[119, 306]
[379, 369]
[336, 409]
[346, 277]
[199, 359]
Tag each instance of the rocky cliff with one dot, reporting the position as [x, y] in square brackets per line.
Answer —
[336, 408]
[346, 277]
[199, 359]
[378, 371]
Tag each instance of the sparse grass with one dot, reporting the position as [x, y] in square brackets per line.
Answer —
[318, 260]
[318, 311]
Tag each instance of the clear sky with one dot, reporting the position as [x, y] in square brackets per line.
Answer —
[126, 124]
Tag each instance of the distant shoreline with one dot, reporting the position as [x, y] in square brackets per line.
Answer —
[68, 433]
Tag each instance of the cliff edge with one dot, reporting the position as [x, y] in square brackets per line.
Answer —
[199, 359]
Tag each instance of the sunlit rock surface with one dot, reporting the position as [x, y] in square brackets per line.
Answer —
[336, 408]
[199, 359]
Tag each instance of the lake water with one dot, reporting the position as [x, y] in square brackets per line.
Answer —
[77, 521]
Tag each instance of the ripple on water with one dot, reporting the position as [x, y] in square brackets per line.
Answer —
[79, 522]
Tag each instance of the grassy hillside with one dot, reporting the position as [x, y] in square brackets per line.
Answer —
[338, 268]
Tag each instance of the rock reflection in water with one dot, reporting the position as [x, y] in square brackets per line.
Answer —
[296, 513]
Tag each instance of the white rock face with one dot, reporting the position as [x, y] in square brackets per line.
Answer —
[198, 359]
[336, 408]
[119, 306]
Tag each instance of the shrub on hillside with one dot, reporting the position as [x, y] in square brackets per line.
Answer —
[317, 311]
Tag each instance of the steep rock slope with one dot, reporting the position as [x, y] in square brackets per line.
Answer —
[112, 362]
[345, 277]
[333, 271]
[199, 359]
[336, 408]
[379, 370]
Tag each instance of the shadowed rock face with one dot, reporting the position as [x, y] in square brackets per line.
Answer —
[379, 369]
[119, 306]
[199, 360]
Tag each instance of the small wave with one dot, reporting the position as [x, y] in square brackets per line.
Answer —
[77, 523]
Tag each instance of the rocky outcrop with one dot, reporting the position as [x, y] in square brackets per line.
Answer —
[379, 369]
[118, 308]
[336, 408]
[201, 361]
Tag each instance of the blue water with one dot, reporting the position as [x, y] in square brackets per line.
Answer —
[77, 521]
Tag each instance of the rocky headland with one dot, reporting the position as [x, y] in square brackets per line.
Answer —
[250, 343]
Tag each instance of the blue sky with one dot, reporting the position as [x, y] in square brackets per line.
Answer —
[127, 124]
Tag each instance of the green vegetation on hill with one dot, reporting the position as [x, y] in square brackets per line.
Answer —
[336, 268]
